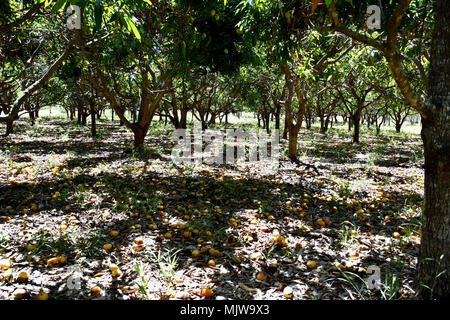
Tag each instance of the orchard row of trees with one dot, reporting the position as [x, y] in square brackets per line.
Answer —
[289, 62]
[126, 76]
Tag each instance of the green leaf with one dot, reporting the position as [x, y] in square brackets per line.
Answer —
[58, 5]
[328, 2]
[132, 27]
[441, 273]
[47, 3]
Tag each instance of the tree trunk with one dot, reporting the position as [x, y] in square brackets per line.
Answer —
[350, 123]
[83, 118]
[31, 115]
[322, 123]
[277, 120]
[9, 127]
[139, 136]
[286, 128]
[327, 123]
[93, 122]
[378, 125]
[183, 119]
[293, 138]
[435, 241]
[356, 118]
[267, 124]
[212, 121]
[309, 122]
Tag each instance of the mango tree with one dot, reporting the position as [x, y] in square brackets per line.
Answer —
[413, 21]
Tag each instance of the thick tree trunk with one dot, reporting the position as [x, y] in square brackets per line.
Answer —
[436, 216]
[435, 241]
[139, 136]
[293, 145]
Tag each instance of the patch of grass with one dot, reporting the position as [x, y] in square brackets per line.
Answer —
[167, 262]
[347, 234]
[89, 243]
[4, 241]
[391, 286]
[352, 279]
[437, 273]
[143, 279]
[343, 189]
[373, 157]
[46, 243]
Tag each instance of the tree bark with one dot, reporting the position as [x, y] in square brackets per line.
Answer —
[139, 135]
[31, 115]
[183, 118]
[93, 120]
[9, 127]
[293, 142]
[435, 241]
[356, 119]
[277, 119]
